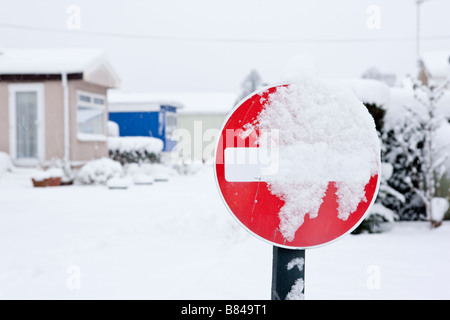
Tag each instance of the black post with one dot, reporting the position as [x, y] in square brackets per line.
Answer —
[288, 274]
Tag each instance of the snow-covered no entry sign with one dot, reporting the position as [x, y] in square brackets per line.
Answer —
[298, 164]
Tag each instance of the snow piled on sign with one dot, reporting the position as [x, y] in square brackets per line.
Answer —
[327, 120]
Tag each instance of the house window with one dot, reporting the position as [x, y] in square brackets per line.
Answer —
[91, 116]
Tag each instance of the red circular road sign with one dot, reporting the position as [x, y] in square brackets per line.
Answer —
[250, 199]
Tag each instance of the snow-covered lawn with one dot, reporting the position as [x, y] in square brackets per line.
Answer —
[175, 240]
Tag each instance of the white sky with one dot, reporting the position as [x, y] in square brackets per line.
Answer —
[149, 64]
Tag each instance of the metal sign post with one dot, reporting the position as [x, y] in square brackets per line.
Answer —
[288, 274]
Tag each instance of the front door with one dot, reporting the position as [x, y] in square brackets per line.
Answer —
[26, 123]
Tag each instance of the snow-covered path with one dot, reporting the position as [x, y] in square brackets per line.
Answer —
[175, 240]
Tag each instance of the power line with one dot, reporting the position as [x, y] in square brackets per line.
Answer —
[218, 40]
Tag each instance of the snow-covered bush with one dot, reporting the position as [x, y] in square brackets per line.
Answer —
[407, 173]
[55, 172]
[416, 144]
[410, 126]
[118, 183]
[379, 219]
[440, 208]
[135, 149]
[147, 173]
[187, 168]
[64, 169]
[5, 163]
[158, 171]
[374, 95]
[113, 129]
[99, 171]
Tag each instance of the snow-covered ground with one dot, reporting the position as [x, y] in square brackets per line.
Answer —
[175, 240]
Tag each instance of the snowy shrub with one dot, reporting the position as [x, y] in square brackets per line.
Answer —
[378, 112]
[187, 168]
[374, 221]
[401, 160]
[379, 219]
[407, 173]
[55, 172]
[440, 208]
[148, 171]
[113, 129]
[99, 171]
[135, 149]
[374, 95]
[158, 171]
[5, 163]
[416, 144]
[66, 173]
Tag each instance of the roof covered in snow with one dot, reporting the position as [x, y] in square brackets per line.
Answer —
[55, 61]
[437, 63]
[187, 102]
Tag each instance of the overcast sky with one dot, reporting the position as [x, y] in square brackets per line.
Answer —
[209, 45]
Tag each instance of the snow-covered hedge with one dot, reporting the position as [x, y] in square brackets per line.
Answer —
[369, 91]
[416, 144]
[374, 94]
[99, 171]
[135, 149]
[379, 219]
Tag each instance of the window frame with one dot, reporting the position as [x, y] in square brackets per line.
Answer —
[172, 126]
[84, 136]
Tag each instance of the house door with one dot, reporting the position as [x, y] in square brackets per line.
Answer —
[26, 123]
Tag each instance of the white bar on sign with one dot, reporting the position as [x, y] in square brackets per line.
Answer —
[313, 163]
[249, 164]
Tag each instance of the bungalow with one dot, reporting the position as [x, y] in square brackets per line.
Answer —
[53, 104]
[144, 115]
[199, 115]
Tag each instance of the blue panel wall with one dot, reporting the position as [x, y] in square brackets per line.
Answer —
[145, 124]
[137, 123]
